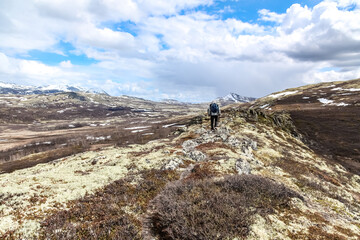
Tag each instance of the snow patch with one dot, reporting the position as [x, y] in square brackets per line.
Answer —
[134, 128]
[353, 89]
[140, 130]
[342, 104]
[336, 89]
[325, 101]
[97, 139]
[169, 125]
[282, 94]
[348, 89]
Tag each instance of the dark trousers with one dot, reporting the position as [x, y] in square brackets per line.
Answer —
[214, 121]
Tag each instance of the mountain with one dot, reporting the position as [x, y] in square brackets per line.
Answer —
[233, 98]
[8, 88]
[285, 166]
[172, 101]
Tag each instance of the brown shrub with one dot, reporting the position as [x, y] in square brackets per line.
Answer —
[210, 209]
[102, 215]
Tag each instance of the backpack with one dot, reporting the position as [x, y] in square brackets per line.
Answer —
[214, 109]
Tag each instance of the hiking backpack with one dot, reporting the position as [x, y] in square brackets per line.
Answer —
[214, 109]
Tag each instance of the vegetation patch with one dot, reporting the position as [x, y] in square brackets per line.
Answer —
[112, 213]
[215, 209]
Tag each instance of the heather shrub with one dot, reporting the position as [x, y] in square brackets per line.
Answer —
[215, 209]
[103, 215]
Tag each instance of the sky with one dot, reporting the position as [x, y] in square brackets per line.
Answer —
[188, 50]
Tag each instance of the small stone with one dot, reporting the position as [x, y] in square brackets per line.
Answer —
[242, 167]
[253, 145]
[173, 164]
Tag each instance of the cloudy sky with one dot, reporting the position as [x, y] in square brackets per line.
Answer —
[190, 50]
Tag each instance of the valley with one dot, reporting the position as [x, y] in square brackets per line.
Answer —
[61, 124]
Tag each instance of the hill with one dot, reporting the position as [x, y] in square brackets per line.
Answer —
[271, 170]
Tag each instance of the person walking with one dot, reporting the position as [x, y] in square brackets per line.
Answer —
[214, 113]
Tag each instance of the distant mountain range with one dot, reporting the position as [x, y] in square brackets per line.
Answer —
[9, 88]
[233, 98]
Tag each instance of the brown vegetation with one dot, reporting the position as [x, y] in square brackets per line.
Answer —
[103, 215]
[215, 209]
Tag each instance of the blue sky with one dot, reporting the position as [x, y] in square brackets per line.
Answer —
[189, 50]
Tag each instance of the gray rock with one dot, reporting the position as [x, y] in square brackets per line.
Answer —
[242, 166]
[208, 137]
[196, 155]
[233, 142]
[223, 133]
[248, 144]
[173, 164]
[189, 145]
[253, 145]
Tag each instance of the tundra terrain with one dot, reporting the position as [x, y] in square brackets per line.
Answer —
[285, 166]
[39, 128]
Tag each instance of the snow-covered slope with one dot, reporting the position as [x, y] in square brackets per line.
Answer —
[9, 88]
[234, 98]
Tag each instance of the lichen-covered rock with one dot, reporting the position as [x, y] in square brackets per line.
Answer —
[189, 145]
[196, 155]
[208, 137]
[173, 164]
[223, 133]
[233, 142]
[247, 145]
[242, 166]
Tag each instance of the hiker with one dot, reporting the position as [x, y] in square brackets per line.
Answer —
[214, 113]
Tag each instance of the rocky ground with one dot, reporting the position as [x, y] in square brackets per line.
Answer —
[261, 175]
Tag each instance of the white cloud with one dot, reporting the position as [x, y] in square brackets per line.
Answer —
[180, 55]
[267, 15]
[66, 64]
[28, 71]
